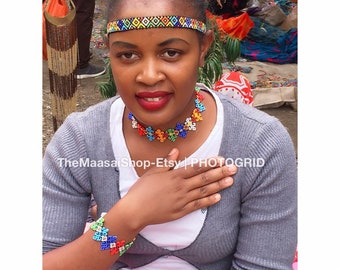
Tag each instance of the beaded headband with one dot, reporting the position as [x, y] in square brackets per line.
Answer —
[171, 21]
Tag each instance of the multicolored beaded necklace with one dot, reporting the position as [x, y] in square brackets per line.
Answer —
[181, 129]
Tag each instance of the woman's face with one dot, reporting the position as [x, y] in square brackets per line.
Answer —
[155, 70]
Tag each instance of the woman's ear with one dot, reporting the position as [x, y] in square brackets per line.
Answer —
[207, 40]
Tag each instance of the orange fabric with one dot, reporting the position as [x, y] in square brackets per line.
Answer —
[56, 8]
[236, 27]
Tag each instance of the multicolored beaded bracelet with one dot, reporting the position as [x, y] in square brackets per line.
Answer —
[181, 129]
[165, 21]
[108, 241]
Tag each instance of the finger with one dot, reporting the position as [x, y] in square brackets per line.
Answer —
[202, 203]
[201, 166]
[210, 176]
[210, 189]
[207, 195]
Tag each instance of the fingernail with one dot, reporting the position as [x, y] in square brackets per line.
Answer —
[228, 180]
[231, 168]
[172, 152]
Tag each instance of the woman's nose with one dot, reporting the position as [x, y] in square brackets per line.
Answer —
[150, 73]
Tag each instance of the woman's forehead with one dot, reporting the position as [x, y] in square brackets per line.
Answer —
[154, 38]
[139, 8]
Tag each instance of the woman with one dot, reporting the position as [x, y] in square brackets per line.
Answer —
[183, 178]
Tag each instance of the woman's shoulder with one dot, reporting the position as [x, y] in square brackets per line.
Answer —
[85, 129]
[94, 115]
[98, 108]
[90, 123]
[235, 109]
[244, 123]
[239, 110]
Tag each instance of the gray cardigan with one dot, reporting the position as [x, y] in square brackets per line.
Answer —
[254, 226]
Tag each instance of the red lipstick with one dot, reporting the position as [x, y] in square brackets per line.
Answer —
[153, 101]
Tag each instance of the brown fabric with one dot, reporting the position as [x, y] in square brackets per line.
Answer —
[268, 96]
[272, 15]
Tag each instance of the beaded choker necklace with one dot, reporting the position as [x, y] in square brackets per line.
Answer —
[181, 129]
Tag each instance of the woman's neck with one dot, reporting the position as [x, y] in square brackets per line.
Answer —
[141, 148]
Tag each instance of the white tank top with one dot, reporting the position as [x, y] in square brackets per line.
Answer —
[179, 233]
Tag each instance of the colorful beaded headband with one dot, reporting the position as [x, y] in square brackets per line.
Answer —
[171, 21]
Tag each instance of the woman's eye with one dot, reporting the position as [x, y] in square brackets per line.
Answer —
[171, 54]
[128, 55]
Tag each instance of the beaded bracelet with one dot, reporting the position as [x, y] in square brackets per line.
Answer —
[108, 241]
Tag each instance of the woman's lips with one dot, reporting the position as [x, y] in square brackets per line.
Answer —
[153, 101]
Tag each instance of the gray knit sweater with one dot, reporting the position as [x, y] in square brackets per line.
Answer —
[254, 226]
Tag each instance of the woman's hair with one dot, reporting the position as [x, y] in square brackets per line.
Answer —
[199, 6]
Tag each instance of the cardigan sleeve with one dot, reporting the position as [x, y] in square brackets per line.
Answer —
[268, 225]
[66, 186]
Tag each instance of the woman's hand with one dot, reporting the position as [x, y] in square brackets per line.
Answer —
[161, 195]
[164, 194]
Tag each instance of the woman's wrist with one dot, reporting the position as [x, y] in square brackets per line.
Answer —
[107, 240]
[124, 216]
